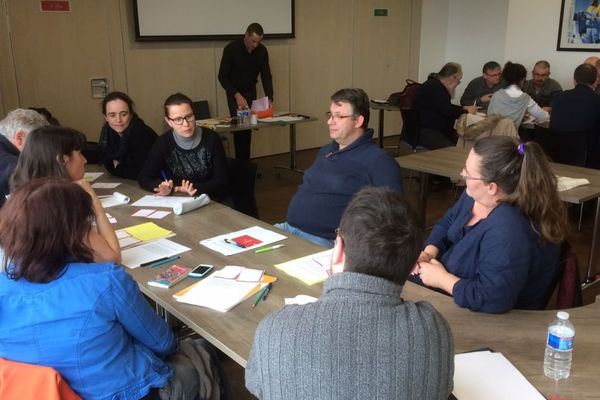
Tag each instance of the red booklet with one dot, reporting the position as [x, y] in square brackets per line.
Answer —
[246, 241]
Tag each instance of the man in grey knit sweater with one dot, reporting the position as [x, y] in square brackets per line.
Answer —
[360, 340]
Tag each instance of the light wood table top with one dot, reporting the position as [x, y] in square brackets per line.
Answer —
[519, 335]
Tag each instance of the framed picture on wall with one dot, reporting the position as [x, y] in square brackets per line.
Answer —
[579, 28]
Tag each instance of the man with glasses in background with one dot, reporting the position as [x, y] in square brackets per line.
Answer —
[185, 159]
[479, 91]
[350, 162]
[541, 87]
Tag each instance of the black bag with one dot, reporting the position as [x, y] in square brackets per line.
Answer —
[404, 99]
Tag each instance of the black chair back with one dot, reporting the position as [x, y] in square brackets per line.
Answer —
[200, 109]
[242, 176]
[410, 127]
[563, 147]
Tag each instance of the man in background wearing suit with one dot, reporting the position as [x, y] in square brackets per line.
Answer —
[242, 61]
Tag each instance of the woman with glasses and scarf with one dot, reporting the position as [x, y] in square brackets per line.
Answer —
[185, 159]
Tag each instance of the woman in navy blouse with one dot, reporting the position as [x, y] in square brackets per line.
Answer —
[497, 248]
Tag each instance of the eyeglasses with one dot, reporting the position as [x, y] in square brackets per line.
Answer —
[496, 75]
[336, 117]
[179, 120]
[465, 176]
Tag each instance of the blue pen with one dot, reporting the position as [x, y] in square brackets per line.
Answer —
[162, 173]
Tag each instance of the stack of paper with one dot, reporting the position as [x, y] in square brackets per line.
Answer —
[310, 269]
[224, 289]
[246, 239]
[487, 375]
[152, 251]
[137, 234]
[161, 201]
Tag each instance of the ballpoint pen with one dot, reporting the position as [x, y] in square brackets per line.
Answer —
[265, 249]
[267, 290]
[160, 261]
[260, 296]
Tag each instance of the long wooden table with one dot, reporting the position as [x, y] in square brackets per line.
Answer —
[449, 162]
[260, 125]
[519, 335]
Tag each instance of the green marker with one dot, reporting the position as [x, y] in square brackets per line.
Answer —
[265, 249]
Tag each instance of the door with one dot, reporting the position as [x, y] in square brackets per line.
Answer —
[56, 54]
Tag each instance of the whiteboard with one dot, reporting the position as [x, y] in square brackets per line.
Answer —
[210, 19]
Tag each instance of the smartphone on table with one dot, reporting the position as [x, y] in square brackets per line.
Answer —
[201, 270]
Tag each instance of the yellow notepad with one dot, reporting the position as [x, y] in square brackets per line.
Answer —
[310, 269]
[148, 231]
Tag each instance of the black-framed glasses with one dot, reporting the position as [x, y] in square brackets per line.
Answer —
[337, 117]
[465, 176]
[179, 120]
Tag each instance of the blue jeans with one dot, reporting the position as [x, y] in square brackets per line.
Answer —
[284, 226]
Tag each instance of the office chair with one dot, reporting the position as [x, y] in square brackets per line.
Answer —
[201, 111]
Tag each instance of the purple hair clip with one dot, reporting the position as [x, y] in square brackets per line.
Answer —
[521, 149]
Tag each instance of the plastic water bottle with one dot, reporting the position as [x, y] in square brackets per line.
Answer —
[559, 347]
[247, 114]
[240, 117]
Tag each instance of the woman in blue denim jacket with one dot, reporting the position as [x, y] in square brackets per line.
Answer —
[87, 320]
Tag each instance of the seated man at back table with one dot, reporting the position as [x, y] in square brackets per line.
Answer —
[541, 87]
[578, 110]
[479, 91]
[186, 158]
[595, 61]
[360, 340]
[435, 111]
[343, 167]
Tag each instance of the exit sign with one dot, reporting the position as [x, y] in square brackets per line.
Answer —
[380, 12]
[55, 6]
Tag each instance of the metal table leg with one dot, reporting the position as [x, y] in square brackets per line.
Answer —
[381, 125]
[589, 275]
[292, 166]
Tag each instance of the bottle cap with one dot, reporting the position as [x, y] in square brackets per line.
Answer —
[562, 315]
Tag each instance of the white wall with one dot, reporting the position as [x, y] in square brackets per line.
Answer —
[472, 32]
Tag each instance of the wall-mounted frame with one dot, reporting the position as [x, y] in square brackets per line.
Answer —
[175, 20]
[579, 26]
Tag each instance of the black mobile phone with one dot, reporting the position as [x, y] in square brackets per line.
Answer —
[201, 270]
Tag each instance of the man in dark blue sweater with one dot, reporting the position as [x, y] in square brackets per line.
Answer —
[343, 167]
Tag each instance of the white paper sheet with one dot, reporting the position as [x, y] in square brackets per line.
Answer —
[147, 252]
[105, 185]
[486, 375]
[310, 269]
[161, 201]
[144, 212]
[261, 104]
[92, 176]
[283, 118]
[219, 244]
[115, 199]
[159, 214]
[216, 293]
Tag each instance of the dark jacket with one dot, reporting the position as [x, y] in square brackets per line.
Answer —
[9, 155]
[130, 149]
[434, 107]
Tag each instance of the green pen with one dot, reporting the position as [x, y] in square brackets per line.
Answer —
[265, 249]
[260, 296]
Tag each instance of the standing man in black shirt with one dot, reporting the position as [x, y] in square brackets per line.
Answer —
[243, 59]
